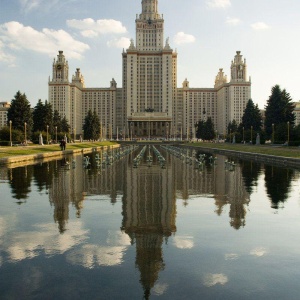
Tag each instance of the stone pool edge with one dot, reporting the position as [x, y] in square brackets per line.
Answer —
[19, 160]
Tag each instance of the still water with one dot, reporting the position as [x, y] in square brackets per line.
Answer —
[179, 232]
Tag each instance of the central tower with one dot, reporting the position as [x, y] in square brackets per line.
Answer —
[149, 28]
[149, 76]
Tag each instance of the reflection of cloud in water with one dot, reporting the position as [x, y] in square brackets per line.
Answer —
[0, 261]
[90, 256]
[2, 226]
[118, 239]
[184, 242]
[28, 244]
[259, 251]
[214, 279]
[231, 256]
[159, 289]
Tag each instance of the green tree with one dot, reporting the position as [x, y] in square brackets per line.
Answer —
[16, 135]
[65, 127]
[48, 116]
[209, 132]
[252, 117]
[279, 109]
[57, 122]
[20, 113]
[38, 116]
[91, 126]
[232, 127]
[200, 127]
[205, 130]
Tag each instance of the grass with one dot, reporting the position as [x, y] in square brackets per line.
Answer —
[36, 149]
[293, 152]
[262, 149]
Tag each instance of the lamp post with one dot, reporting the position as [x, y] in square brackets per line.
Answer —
[10, 136]
[47, 134]
[56, 134]
[101, 131]
[149, 128]
[273, 134]
[187, 133]
[251, 133]
[174, 132]
[288, 132]
[167, 130]
[110, 131]
[181, 133]
[25, 125]
[243, 135]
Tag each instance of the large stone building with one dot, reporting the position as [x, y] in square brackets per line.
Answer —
[149, 102]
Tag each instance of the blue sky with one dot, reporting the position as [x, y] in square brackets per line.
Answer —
[93, 33]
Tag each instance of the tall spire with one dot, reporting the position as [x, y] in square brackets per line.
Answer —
[149, 10]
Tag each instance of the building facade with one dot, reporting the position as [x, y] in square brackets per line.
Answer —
[4, 106]
[150, 104]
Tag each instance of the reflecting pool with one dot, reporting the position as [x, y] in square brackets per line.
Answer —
[70, 230]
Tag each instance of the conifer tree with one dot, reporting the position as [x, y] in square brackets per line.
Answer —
[48, 116]
[57, 121]
[279, 109]
[252, 117]
[209, 132]
[20, 113]
[91, 126]
[38, 117]
[65, 127]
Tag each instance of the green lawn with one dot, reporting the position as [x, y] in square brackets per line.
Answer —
[269, 150]
[263, 149]
[36, 149]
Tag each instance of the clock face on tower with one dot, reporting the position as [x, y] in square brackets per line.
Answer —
[58, 67]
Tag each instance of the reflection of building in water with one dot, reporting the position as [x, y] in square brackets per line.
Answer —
[227, 187]
[149, 215]
[105, 181]
[66, 188]
[71, 185]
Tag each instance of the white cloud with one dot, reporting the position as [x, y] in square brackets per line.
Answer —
[28, 6]
[233, 21]
[118, 238]
[29, 244]
[91, 28]
[16, 36]
[259, 252]
[91, 256]
[231, 256]
[159, 289]
[218, 3]
[214, 279]
[183, 38]
[260, 26]
[119, 43]
[184, 242]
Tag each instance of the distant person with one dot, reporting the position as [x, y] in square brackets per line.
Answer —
[61, 145]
